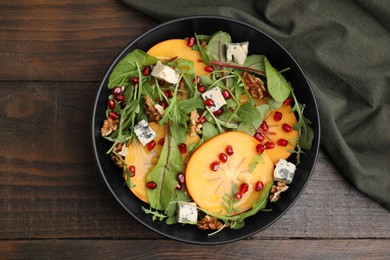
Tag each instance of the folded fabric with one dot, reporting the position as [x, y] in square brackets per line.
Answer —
[344, 50]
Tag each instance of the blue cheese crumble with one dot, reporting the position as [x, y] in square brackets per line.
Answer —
[187, 212]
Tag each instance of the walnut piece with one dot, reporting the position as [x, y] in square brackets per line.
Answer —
[209, 222]
[154, 112]
[109, 126]
[118, 155]
[276, 190]
[255, 86]
[195, 125]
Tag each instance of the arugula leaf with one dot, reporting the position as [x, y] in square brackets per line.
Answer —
[216, 48]
[127, 67]
[256, 160]
[202, 51]
[188, 105]
[169, 164]
[277, 84]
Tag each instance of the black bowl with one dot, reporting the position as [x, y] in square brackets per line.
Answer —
[260, 43]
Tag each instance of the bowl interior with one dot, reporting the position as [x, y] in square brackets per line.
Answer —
[259, 43]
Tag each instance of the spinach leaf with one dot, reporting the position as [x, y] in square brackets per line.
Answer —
[209, 131]
[216, 48]
[127, 67]
[164, 174]
[277, 84]
[248, 112]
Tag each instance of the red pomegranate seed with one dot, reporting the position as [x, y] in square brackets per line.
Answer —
[116, 91]
[146, 71]
[151, 185]
[163, 104]
[259, 136]
[134, 80]
[264, 126]
[229, 150]
[151, 145]
[278, 116]
[120, 97]
[182, 148]
[286, 127]
[244, 187]
[223, 157]
[178, 186]
[191, 41]
[113, 115]
[259, 148]
[202, 120]
[226, 94]
[180, 178]
[132, 169]
[282, 142]
[269, 145]
[287, 101]
[218, 112]
[111, 104]
[169, 93]
[209, 68]
[259, 186]
[161, 82]
[209, 102]
[161, 141]
[215, 166]
[201, 88]
[238, 196]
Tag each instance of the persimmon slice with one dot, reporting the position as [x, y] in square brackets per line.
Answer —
[178, 48]
[212, 189]
[144, 160]
[276, 132]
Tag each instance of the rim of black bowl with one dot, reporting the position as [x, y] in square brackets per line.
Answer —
[234, 235]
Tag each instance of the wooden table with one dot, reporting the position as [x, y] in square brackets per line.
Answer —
[53, 202]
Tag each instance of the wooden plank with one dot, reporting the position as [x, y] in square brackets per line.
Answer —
[167, 249]
[50, 187]
[64, 40]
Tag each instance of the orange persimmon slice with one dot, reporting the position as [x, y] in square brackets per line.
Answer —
[212, 189]
[178, 48]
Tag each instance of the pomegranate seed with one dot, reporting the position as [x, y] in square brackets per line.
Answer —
[178, 186]
[282, 142]
[223, 157]
[259, 136]
[191, 41]
[151, 145]
[287, 101]
[259, 186]
[161, 82]
[113, 115]
[226, 94]
[286, 127]
[180, 178]
[134, 80]
[161, 141]
[201, 88]
[244, 187]
[264, 126]
[209, 102]
[218, 112]
[278, 116]
[111, 104]
[215, 166]
[209, 68]
[229, 150]
[202, 120]
[146, 71]
[182, 148]
[116, 91]
[151, 185]
[238, 196]
[132, 169]
[259, 148]
[269, 145]
[164, 104]
[120, 97]
[169, 93]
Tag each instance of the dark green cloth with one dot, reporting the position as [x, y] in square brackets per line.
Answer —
[344, 50]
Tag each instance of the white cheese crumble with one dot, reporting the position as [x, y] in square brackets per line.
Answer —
[144, 132]
[284, 171]
[187, 212]
[163, 72]
[215, 94]
[237, 52]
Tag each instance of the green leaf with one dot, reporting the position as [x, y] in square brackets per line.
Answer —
[209, 131]
[127, 67]
[202, 51]
[188, 105]
[248, 112]
[216, 48]
[164, 174]
[277, 84]
[178, 132]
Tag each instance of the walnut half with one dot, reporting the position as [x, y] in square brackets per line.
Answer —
[209, 222]
[108, 127]
[255, 86]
